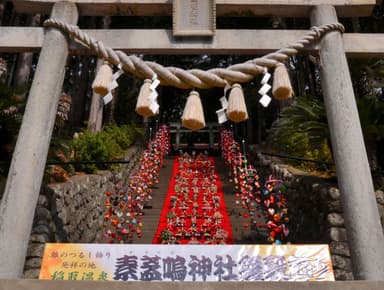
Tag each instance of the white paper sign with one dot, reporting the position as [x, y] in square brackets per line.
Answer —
[167, 263]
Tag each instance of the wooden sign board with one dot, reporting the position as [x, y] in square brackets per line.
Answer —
[194, 17]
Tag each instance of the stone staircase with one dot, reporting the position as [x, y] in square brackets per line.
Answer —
[154, 207]
[152, 211]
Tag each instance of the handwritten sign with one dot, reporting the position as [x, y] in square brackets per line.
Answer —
[194, 17]
[105, 262]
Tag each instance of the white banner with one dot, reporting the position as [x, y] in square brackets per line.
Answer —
[186, 263]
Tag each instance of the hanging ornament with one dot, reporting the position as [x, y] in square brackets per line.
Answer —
[102, 80]
[237, 110]
[266, 77]
[193, 115]
[265, 99]
[282, 88]
[264, 89]
[154, 106]
[143, 105]
[221, 114]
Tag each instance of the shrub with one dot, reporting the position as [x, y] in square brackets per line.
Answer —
[107, 145]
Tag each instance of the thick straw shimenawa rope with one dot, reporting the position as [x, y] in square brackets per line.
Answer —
[194, 78]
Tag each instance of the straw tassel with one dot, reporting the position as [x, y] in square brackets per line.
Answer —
[193, 115]
[237, 109]
[102, 80]
[143, 105]
[282, 88]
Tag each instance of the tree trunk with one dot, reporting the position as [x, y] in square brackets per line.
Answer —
[95, 120]
[2, 9]
[79, 92]
[8, 15]
[24, 62]
[112, 105]
[374, 163]
[372, 155]
[299, 76]
[310, 74]
[355, 25]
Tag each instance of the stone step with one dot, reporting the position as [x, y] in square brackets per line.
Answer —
[34, 284]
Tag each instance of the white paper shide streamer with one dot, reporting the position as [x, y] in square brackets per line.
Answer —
[265, 99]
[113, 85]
[154, 105]
[222, 113]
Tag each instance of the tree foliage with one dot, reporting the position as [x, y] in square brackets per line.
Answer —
[302, 130]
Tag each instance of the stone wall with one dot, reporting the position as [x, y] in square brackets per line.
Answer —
[73, 211]
[316, 214]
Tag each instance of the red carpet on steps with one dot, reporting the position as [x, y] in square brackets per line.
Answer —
[198, 213]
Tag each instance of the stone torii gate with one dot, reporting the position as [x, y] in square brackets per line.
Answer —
[362, 220]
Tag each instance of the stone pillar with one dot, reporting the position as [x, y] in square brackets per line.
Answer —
[365, 236]
[28, 161]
